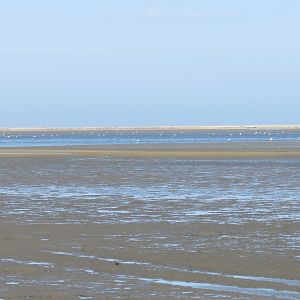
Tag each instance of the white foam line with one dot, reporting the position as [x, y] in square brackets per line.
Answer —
[26, 262]
[291, 282]
[228, 288]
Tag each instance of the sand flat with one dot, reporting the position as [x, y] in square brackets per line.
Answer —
[158, 154]
[201, 151]
[150, 221]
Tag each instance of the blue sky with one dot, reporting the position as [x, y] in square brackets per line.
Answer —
[138, 62]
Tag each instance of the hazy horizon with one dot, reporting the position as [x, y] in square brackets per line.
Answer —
[149, 63]
[164, 127]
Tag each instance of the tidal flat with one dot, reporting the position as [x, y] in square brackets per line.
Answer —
[204, 221]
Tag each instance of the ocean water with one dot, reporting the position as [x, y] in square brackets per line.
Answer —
[20, 139]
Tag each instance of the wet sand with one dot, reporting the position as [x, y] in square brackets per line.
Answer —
[204, 221]
[200, 151]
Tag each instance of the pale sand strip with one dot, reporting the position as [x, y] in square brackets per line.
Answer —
[147, 153]
[155, 128]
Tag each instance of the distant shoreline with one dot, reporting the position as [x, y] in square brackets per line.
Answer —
[153, 128]
[221, 150]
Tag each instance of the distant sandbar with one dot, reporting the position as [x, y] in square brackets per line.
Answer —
[156, 128]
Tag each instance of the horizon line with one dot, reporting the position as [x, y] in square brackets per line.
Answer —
[165, 127]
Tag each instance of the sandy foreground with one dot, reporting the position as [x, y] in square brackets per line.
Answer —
[157, 221]
[70, 261]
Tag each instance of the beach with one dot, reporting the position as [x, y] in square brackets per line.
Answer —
[210, 220]
[155, 128]
[149, 150]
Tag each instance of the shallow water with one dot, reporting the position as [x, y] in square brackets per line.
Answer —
[149, 227]
[117, 137]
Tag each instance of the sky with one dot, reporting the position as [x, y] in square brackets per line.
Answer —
[66, 63]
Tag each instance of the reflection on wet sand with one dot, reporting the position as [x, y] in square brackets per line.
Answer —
[150, 226]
